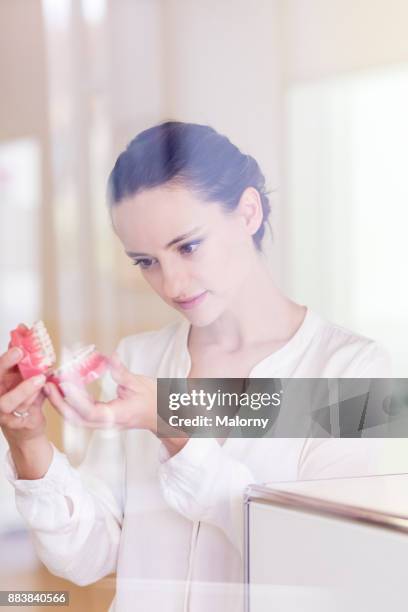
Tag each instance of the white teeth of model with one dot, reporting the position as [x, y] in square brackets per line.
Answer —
[84, 353]
[45, 342]
[50, 350]
[74, 360]
[42, 342]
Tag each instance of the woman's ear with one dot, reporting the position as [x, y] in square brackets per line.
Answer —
[250, 209]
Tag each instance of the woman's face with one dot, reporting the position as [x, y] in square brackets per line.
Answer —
[194, 254]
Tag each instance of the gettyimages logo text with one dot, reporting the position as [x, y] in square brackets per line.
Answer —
[282, 408]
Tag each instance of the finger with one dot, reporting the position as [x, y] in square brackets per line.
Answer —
[39, 399]
[78, 398]
[10, 380]
[95, 414]
[21, 394]
[116, 412]
[68, 407]
[124, 393]
[121, 374]
[13, 421]
[61, 406]
[9, 359]
[35, 399]
[30, 407]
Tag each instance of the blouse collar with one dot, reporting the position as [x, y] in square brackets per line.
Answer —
[176, 361]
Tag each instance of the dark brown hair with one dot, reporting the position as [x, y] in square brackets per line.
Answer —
[197, 157]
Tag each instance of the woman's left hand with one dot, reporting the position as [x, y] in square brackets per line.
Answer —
[134, 407]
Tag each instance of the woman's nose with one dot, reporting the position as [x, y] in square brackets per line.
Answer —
[174, 283]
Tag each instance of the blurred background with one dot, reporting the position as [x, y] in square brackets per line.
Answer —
[315, 90]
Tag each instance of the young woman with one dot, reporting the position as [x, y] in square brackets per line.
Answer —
[166, 514]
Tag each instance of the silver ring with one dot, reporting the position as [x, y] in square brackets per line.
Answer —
[21, 415]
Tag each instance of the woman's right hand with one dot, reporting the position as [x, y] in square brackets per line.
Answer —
[23, 396]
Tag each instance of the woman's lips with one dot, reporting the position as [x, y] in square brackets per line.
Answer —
[192, 302]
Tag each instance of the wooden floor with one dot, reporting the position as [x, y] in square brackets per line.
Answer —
[93, 598]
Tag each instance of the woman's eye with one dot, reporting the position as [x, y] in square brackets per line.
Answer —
[190, 247]
[143, 263]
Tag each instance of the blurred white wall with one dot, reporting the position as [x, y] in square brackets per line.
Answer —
[345, 73]
[327, 37]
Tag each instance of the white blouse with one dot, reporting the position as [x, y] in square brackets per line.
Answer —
[172, 528]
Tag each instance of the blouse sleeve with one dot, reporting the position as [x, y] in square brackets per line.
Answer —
[75, 514]
[204, 483]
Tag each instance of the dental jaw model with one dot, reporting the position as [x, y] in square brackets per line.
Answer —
[39, 355]
[83, 367]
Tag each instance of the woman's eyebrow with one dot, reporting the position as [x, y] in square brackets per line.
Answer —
[171, 243]
[183, 236]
